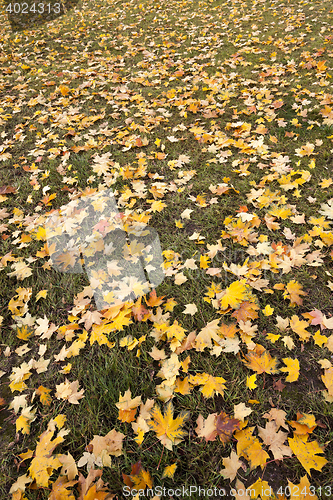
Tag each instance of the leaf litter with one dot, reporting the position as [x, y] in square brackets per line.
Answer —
[261, 117]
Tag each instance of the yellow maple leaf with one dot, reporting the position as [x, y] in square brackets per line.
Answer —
[327, 378]
[60, 491]
[214, 385]
[319, 339]
[273, 337]
[302, 490]
[41, 295]
[251, 381]
[292, 368]
[326, 183]
[168, 430]
[41, 233]
[307, 452]
[298, 326]
[268, 311]
[321, 66]
[97, 336]
[23, 424]
[183, 386]
[234, 294]
[44, 395]
[44, 463]
[158, 206]
[169, 471]
[259, 488]
[64, 89]
[249, 447]
[281, 212]
[23, 332]
[305, 424]
[293, 292]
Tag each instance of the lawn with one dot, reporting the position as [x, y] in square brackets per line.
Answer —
[210, 123]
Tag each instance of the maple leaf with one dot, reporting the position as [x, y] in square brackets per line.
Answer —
[104, 446]
[292, 368]
[169, 430]
[247, 310]
[207, 427]
[307, 452]
[226, 426]
[20, 483]
[299, 326]
[302, 491]
[210, 384]
[139, 478]
[261, 361]
[275, 440]
[183, 386]
[127, 406]
[233, 295]
[305, 423]
[21, 270]
[44, 394]
[327, 378]
[44, 462]
[23, 422]
[206, 335]
[231, 464]
[320, 339]
[169, 471]
[249, 447]
[59, 489]
[293, 292]
[23, 332]
[260, 489]
[67, 259]
[241, 411]
[241, 492]
[279, 417]
[316, 317]
[327, 209]
[7, 189]
[69, 391]
[278, 385]
[89, 318]
[251, 381]
[69, 468]
[90, 490]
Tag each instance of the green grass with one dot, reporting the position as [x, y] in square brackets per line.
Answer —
[180, 65]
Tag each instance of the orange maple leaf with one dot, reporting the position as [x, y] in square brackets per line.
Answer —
[261, 361]
[247, 310]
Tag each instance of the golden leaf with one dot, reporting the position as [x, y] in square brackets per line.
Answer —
[307, 452]
[169, 430]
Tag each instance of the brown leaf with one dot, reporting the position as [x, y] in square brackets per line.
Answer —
[278, 386]
[225, 426]
[7, 189]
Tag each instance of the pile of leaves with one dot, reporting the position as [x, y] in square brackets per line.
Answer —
[213, 124]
